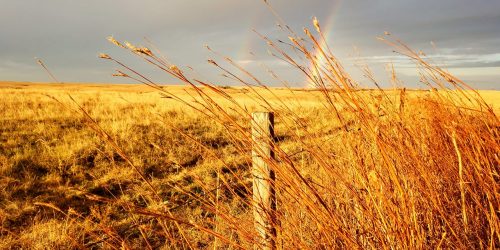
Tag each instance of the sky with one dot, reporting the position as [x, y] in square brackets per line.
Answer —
[69, 34]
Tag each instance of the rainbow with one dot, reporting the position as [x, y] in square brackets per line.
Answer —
[245, 55]
[326, 27]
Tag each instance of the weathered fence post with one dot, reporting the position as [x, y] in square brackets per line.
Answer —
[264, 197]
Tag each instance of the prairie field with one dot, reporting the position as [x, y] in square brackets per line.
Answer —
[134, 167]
[275, 135]
[344, 165]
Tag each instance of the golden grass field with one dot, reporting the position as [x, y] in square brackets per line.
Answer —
[172, 177]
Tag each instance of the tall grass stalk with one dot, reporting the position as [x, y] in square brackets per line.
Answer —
[391, 169]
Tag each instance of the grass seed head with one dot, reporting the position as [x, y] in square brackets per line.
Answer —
[120, 74]
[112, 40]
[174, 68]
[144, 51]
[130, 46]
[104, 56]
[316, 24]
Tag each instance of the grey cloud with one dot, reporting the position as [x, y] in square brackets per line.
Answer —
[68, 34]
[441, 60]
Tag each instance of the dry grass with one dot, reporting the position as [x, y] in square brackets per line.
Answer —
[49, 155]
[136, 167]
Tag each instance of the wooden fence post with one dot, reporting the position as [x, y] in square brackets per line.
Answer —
[264, 196]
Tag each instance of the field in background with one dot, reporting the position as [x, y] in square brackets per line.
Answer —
[49, 155]
[63, 186]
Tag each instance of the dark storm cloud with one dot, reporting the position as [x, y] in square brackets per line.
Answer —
[68, 34]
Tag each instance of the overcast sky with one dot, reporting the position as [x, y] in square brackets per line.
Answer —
[68, 35]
